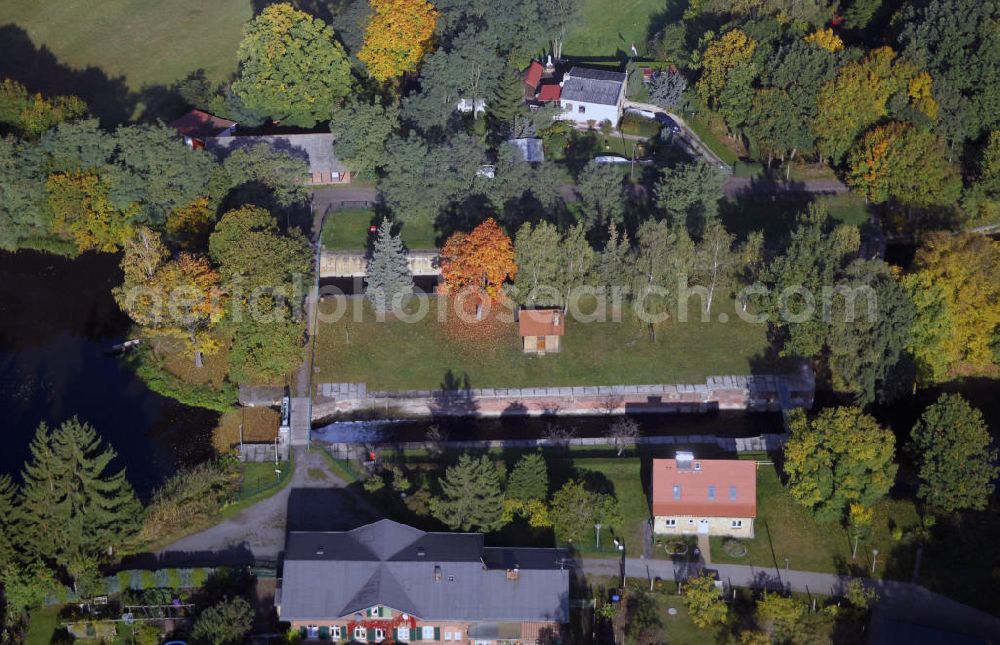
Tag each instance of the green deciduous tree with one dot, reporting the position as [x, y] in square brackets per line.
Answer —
[841, 456]
[291, 66]
[957, 461]
[729, 51]
[870, 320]
[716, 262]
[75, 511]
[704, 602]
[225, 623]
[782, 618]
[361, 129]
[29, 114]
[539, 262]
[529, 479]
[471, 498]
[259, 175]
[663, 260]
[575, 510]
[688, 195]
[602, 194]
[815, 254]
[388, 280]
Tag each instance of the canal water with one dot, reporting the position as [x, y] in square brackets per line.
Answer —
[58, 321]
[725, 423]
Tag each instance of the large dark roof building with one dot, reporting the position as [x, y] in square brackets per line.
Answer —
[586, 85]
[389, 576]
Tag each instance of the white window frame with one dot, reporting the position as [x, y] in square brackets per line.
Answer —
[736, 524]
[427, 633]
[671, 522]
[403, 634]
[361, 633]
[581, 109]
[376, 612]
[379, 634]
[447, 636]
[335, 631]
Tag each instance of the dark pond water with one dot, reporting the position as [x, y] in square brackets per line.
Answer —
[57, 323]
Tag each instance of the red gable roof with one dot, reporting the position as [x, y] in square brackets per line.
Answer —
[541, 322]
[549, 93]
[201, 124]
[732, 483]
[533, 75]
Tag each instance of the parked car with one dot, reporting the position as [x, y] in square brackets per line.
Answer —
[668, 122]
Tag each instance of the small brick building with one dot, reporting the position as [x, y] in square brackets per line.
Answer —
[541, 330]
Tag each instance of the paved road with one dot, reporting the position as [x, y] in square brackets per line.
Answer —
[315, 499]
[759, 185]
[900, 600]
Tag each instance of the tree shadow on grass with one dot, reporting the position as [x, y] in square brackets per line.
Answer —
[108, 98]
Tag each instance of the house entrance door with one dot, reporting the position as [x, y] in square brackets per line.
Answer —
[541, 343]
[703, 527]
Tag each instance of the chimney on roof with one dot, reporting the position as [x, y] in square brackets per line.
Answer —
[420, 552]
[319, 550]
[512, 574]
[684, 461]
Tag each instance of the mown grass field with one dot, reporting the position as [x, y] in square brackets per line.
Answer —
[606, 28]
[149, 43]
[347, 230]
[397, 355]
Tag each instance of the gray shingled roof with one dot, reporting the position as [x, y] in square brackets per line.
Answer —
[530, 149]
[592, 86]
[315, 149]
[334, 574]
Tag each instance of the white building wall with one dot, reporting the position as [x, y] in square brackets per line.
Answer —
[595, 112]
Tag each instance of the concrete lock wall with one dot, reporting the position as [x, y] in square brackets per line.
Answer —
[755, 393]
[354, 264]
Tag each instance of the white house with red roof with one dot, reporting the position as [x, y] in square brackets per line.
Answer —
[704, 496]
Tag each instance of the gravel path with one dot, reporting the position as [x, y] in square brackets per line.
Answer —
[315, 499]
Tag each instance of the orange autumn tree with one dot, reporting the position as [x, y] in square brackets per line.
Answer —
[398, 36]
[482, 259]
[194, 304]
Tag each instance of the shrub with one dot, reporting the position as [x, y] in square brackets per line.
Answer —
[189, 496]
[174, 579]
[374, 484]
[124, 580]
[148, 580]
[198, 577]
[147, 367]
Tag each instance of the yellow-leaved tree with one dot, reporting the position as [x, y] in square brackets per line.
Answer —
[398, 36]
[725, 53]
[826, 39]
[82, 212]
[957, 296]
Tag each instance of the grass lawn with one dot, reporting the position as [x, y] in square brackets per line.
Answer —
[396, 355]
[42, 625]
[712, 133]
[621, 475]
[347, 230]
[146, 42]
[848, 208]
[784, 529]
[603, 29]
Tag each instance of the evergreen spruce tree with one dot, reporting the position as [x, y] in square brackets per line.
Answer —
[507, 101]
[471, 497]
[388, 270]
[9, 521]
[74, 513]
[530, 479]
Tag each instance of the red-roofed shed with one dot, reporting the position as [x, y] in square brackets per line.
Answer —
[196, 126]
[532, 77]
[541, 330]
[549, 93]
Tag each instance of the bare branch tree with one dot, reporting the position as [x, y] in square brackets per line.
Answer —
[623, 432]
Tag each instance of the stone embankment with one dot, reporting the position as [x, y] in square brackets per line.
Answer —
[766, 392]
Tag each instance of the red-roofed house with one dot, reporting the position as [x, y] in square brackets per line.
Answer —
[532, 77]
[549, 93]
[196, 126]
[541, 330]
[706, 496]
